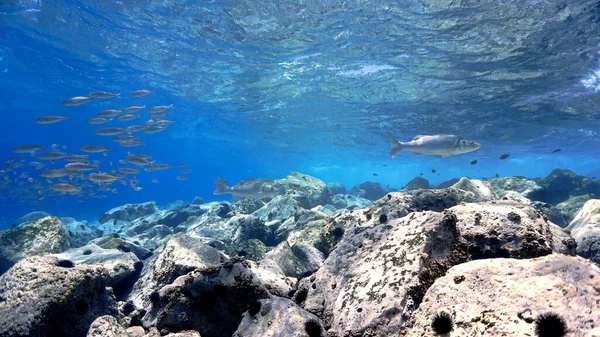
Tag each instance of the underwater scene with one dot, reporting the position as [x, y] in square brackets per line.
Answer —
[326, 168]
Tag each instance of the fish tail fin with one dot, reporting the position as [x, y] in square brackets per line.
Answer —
[395, 146]
[222, 185]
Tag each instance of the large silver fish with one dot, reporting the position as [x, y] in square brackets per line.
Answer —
[437, 145]
[248, 188]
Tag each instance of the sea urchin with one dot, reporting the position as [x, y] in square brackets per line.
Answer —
[550, 325]
[442, 323]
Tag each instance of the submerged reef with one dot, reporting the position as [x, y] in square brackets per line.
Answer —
[472, 258]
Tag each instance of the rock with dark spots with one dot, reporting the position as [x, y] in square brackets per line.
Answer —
[447, 183]
[107, 326]
[570, 207]
[246, 227]
[29, 217]
[552, 213]
[350, 202]
[503, 297]
[122, 268]
[198, 201]
[79, 233]
[129, 212]
[278, 317]
[246, 206]
[301, 227]
[585, 229]
[252, 249]
[336, 188]
[560, 185]
[43, 296]
[136, 331]
[418, 183]
[115, 242]
[368, 190]
[476, 190]
[298, 260]
[181, 255]
[211, 300]
[308, 191]
[43, 236]
[281, 207]
[508, 229]
[376, 279]
[179, 215]
[273, 277]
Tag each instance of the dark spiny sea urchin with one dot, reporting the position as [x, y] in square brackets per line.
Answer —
[442, 323]
[313, 328]
[550, 325]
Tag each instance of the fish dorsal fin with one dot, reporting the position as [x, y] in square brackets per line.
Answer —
[418, 136]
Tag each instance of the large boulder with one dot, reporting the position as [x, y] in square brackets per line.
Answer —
[376, 279]
[79, 233]
[297, 260]
[571, 206]
[551, 212]
[281, 207]
[336, 188]
[45, 296]
[210, 300]
[308, 191]
[560, 185]
[246, 206]
[181, 214]
[181, 255]
[585, 229]
[278, 317]
[368, 190]
[45, 235]
[129, 212]
[509, 229]
[29, 217]
[476, 190]
[504, 297]
[107, 326]
[418, 183]
[273, 277]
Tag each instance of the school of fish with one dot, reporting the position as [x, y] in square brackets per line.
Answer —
[60, 173]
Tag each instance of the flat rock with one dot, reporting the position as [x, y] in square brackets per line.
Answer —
[45, 296]
[45, 235]
[350, 202]
[502, 297]
[375, 279]
[585, 229]
[114, 241]
[278, 317]
[281, 207]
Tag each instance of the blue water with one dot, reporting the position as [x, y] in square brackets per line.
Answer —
[262, 88]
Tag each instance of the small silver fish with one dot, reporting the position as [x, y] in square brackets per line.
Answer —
[160, 108]
[134, 108]
[98, 120]
[66, 188]
[135, 128]
[103, 94]
[154, 129]
[109, 131]
[109, 113]
[128, 117]
[94, 148]
[140, 93]
[438, 145]
[78, 100]
[130, 143]
[27, 148]
[51, 119]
